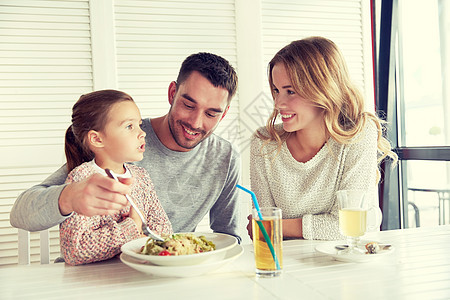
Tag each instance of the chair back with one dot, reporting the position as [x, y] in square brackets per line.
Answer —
[24, 247]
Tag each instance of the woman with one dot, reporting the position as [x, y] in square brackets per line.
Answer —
[326, 141]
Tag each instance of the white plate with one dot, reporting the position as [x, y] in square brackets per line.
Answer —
[328, 248]
[181, 271]
[222, 241]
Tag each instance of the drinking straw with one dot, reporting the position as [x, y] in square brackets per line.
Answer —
[261, 226]
[255, 201]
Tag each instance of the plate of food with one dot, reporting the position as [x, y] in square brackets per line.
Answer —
[371, 250]
[181, 249]
[182, 271]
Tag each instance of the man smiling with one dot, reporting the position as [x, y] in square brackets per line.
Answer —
[194, 171]
[196, 108]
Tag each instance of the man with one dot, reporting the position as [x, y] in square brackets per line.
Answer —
[193, 170]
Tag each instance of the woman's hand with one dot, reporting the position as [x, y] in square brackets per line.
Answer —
[249, 227]
[292, 228]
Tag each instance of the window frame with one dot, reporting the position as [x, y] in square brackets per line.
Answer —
[393, 187]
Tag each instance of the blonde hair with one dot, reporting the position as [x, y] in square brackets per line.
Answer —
[318, 72]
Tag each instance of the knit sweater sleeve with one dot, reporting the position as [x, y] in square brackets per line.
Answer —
[258, 175]
[147, 200]
[358, 171]
[89, 239]
[324, 226]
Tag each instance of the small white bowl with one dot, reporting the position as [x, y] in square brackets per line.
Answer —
[222, 241]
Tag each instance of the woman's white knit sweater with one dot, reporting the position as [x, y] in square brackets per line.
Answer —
[308, 190]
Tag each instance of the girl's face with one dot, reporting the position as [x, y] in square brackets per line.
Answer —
[297, 113]
[122, 139]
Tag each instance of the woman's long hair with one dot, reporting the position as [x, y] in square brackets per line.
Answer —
[318, 72]
[89, 113]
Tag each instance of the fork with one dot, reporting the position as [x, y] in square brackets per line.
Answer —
[145, 228]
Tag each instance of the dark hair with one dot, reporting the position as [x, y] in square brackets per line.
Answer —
[213, 67]
[89, 113]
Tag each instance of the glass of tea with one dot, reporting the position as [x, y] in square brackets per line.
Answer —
[267, 241]
[358, 212]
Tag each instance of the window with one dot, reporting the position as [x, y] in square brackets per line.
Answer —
[413, 91]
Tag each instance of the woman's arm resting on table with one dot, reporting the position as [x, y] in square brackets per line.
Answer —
[292, 228]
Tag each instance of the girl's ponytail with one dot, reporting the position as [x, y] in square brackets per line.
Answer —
[75, 152]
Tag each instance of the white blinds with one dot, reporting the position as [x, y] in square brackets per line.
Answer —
[154, 37]
[45, 64]
[339, 20]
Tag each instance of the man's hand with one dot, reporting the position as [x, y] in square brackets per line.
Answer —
[95, 195]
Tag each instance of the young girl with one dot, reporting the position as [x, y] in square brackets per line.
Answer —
[106, 133]
[326, 141]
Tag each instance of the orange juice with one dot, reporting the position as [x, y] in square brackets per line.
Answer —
[263, 257]
[353, 221]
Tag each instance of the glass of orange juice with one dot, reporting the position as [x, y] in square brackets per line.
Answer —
[268, 245]
[358, 213]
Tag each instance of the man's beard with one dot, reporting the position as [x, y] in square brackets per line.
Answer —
[178, 138]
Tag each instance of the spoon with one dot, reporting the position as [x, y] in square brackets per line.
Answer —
[382, 246]
[145, 229]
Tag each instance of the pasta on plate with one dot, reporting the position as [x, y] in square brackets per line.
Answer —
[178, 244]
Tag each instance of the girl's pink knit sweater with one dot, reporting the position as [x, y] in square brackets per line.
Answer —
[89, 239]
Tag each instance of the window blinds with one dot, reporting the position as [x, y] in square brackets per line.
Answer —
[154, 37]
[342, 21]
[45, 64]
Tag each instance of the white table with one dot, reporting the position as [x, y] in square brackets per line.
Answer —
[418, 269]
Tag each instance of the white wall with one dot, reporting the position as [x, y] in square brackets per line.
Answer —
[51, 52]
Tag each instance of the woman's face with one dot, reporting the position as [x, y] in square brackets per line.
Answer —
[296, 112]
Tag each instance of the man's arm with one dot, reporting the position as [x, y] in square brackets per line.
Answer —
[225, 215]
[51, 202]
[37, 208]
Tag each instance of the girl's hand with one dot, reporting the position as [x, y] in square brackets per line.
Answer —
[249, 227]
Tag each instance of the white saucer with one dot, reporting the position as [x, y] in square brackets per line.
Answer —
[328, 248]
[181, 271]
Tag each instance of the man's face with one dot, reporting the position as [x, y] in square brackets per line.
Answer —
[196, 109]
